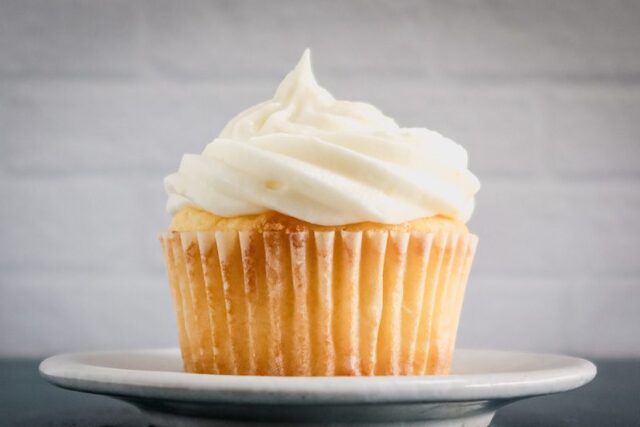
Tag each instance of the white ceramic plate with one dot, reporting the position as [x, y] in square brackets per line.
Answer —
[481, 382]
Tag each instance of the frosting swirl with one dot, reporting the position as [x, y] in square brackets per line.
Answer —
[324, 161]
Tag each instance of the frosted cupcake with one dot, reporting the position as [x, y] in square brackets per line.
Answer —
[317, 237]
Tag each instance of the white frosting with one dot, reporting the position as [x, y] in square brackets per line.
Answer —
[328, 162]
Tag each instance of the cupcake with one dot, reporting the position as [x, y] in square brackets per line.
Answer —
[317, 237]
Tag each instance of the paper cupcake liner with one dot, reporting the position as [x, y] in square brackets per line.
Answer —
[318, 303]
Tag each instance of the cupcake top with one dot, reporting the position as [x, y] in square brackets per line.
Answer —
[324, 161]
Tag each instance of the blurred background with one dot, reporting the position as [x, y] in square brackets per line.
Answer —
[100, 99]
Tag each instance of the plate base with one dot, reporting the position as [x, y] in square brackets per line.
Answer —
[467, 414]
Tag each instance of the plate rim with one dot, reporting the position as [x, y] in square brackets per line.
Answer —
[68, 370]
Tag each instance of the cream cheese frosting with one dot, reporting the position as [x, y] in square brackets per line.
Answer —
[310, 156]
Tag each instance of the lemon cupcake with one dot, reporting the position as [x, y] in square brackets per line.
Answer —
[317, 237]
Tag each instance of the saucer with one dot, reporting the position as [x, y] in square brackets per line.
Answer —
[481, 382]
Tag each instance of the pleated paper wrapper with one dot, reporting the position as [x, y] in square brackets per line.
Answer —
[318, 303]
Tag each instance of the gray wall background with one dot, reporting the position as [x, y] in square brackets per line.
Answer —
[98, 101]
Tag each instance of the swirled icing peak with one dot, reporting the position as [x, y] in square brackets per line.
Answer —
[325, 161]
